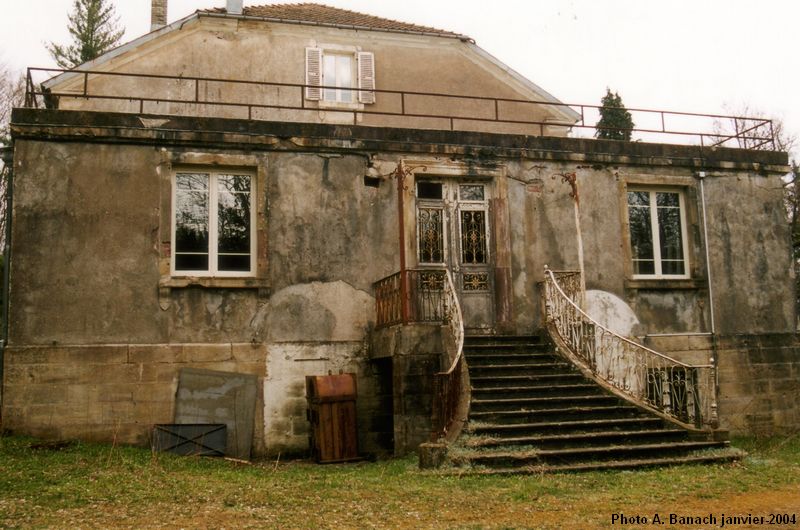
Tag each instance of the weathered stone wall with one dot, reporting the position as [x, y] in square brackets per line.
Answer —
[89, 293]
[113, 392]
[759, 377]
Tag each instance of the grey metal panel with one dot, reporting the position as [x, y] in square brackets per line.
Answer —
[207, 396]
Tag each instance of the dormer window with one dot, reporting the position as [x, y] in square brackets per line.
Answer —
[340, 69]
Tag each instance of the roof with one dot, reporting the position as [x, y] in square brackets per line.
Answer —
[322, 15]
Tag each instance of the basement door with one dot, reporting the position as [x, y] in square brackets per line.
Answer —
[453, 233]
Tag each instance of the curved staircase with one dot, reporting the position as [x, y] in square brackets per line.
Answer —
[533, 411]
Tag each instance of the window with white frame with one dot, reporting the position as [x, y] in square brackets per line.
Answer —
[657, 223]
[333, 73]
[213, 223]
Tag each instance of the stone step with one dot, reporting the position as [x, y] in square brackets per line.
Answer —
[558, 414]
[589, 454]
[527, 380]
[580, 439]
[564, 427]
[731, 455]
[544, 390]
[545, 402]
[496, 349]
[504, 339]
[523, 368]
[477, 360]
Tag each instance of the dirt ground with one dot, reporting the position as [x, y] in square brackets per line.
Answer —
[543, 513]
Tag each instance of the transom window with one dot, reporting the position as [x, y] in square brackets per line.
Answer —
[658, 234]
[213, 222]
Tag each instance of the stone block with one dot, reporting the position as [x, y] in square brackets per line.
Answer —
[432, 455]
[155, 353]
[700, 342]
[247, 352]
[100, 354]
[203, 353]
[113, 373]
[154, 392]
[20, 395]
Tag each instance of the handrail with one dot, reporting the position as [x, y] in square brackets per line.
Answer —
[455, 320]
[497, 110]
[449, 400]
[683, 392]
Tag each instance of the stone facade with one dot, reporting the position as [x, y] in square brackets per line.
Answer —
[100, 325]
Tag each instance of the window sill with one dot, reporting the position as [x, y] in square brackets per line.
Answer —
[180, 282]
[666, 284]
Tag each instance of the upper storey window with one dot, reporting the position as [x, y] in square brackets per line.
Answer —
[332, 74]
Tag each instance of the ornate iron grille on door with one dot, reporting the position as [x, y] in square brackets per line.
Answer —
[473, 237]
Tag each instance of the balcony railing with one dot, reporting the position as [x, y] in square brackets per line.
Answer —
[275, 101]
[681, 391]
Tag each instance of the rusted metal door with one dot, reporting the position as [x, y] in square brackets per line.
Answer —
[453, 232]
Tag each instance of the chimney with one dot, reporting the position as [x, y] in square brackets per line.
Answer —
[235, 7]
[158, 14]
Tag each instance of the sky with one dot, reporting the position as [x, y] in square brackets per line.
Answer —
[706, 56]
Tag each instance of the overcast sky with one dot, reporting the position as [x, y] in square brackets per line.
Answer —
[685, 55]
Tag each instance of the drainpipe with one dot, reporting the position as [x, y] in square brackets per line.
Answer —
[7, 156]
[405, 309]
[701, 175]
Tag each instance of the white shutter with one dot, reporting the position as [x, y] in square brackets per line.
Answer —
[366, 77]
[314, 73]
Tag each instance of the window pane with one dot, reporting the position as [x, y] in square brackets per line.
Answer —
[669, 232]
[672, 267]
[639, 198]
[473, 236]
[667, 199]
[431, 239]
[191, 213]
[429, 190]
[644, 267]
[234, 262]
[344, 75]
[641, 234]
[469, 192]
[191, 262]
[233, 215]
[329, 76]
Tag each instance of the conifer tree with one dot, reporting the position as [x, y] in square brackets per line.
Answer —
[94, 27]
[615, 121]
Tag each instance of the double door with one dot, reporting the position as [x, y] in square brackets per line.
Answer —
[453, 233]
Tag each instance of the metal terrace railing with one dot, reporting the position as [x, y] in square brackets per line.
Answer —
[684, 392]
[276, 101]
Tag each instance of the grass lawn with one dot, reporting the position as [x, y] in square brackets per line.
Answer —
[100, 486]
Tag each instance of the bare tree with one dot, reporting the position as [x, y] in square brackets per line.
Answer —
[749, 129]
[12, 94]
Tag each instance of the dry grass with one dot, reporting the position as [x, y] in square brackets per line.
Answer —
[97, 486]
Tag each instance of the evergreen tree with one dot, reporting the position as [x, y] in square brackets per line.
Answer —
[94, 27]
[615, 121]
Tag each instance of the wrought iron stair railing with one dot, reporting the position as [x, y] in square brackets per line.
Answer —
[685, 393]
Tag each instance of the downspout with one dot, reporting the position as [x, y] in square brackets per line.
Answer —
[405, 308]
[701, 175]
[7, 155]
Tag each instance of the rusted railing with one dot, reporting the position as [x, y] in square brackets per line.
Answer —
[263, 100]
[425, 298]
[684, 392]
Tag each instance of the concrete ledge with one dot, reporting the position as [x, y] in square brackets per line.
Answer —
[45, 124]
